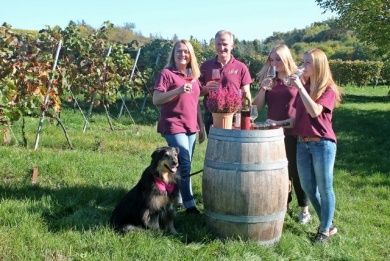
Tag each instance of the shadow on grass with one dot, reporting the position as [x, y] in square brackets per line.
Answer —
[89, 207]
[365, 99]
[80, 208]
[363, 140]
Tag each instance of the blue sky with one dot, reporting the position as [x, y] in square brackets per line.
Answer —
[247, 19]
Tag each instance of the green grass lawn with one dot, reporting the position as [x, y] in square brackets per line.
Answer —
[65, 215]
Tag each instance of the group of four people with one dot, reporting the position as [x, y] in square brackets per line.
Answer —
[307, 101]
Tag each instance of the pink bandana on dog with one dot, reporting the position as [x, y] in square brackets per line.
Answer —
[162, 186]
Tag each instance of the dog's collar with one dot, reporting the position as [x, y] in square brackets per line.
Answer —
[162, 186]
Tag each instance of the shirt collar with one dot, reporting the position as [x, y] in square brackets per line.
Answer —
[232, 60]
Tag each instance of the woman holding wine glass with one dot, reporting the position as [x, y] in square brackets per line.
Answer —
[280, 100]
[316, 149]
[177, 92]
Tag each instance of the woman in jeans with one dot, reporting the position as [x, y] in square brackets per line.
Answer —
[176, 92]
[280, 100]
[316, 149]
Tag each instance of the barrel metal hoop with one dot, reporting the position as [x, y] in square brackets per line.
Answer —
[280, 164]
[245, 139]
[246, 219]
[240, 136]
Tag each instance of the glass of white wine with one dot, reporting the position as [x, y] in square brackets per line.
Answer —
[268, 80]
[298, 73]
[253, 114]
[271, 73]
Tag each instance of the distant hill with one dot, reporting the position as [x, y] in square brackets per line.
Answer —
[337, 42]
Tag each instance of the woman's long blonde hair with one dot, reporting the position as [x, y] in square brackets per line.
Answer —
[285, 56]
[193, 64]
[322, 76]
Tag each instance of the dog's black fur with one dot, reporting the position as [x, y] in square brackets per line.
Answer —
[145, 205]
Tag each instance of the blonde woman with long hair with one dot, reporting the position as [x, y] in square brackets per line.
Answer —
[280, 100]
[316, 149]
[176, 92]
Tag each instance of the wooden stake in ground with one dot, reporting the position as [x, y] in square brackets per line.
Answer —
[6, 135]
[34, 175]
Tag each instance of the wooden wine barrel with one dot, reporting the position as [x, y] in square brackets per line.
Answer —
[245, 184]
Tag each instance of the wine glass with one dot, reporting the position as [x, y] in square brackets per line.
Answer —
[253, 113]
[188, 76]
[300, 70]
[216, 75]
[268, 80]
[271, 73]
[298, 73]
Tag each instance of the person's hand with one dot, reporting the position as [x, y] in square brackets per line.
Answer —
[287, 123]
[266, 84]
[187, 88]
[271, 123]
[202, 135]
[295, 81]
[212, 86]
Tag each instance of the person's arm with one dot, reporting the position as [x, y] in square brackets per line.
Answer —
[202, 130]
[314, 109]
[287, 123]
[160, 98]
[259, 100]
[265, 86]
[246, 89]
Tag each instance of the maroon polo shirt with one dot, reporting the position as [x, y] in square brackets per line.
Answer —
[321, 125]
[234, 74]
[180, 114]
[281, 102]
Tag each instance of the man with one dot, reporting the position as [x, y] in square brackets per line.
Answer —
[234, 74]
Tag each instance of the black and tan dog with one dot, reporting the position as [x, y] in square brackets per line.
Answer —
[150, 203]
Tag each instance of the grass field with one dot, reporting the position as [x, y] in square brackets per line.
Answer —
[64, 215]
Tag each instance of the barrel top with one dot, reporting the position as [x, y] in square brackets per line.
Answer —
[227, 134]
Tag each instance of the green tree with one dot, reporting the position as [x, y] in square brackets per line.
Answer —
[369, 19]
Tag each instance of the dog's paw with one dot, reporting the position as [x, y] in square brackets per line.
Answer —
[172, 229]
[129, 228]
[173, 232]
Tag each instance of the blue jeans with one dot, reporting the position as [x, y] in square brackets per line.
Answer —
[315, 162]
[186, 144]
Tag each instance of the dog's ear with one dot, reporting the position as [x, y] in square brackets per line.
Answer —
[157, 155]
[177, 150]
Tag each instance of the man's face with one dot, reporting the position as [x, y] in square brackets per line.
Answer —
[224, 46]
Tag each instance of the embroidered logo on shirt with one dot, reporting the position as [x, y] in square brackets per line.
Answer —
[232, 71]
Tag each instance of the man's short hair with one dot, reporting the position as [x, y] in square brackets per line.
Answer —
[222, 32]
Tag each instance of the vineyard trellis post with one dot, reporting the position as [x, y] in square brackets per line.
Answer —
[45, 103]
[123, 105]
[146, 88]
[89, 113]
[86, 122]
